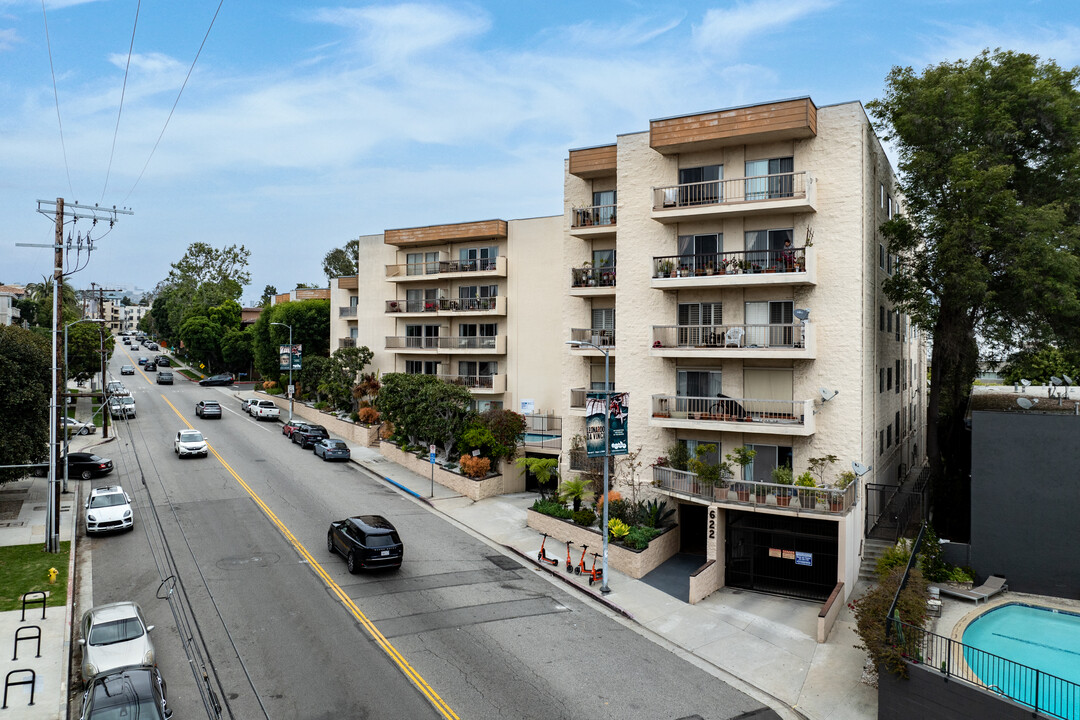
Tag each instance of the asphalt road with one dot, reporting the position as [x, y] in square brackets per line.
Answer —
[282, 630]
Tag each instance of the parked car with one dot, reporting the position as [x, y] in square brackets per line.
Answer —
[75, 427]
[142, 360]
[221, 379]
[164, 378]
[246, 404]
[150, 367]
[208, 409]
[82, 465]
[131, 692]
[116, 408]
[265, 410]
[190, 442]
[307, 435]
[163, 361]
[115, 387]
[153, 346]
[366, 541]
[290, 427]
[330, 449]
[108, 508]
[127, 369]
[114, 636]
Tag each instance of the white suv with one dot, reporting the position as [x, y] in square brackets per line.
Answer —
[190, 442]
[108, 508]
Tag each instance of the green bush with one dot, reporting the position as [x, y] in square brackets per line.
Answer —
[321, 405]
[639, 537]
[678, 456]
[895, 557]
[657, 514]
[552, 508]
[584, 517]
[274, 391]
[870, 611]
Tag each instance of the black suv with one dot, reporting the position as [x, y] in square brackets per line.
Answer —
[220, 379]
[127, 692]
[307, 435]
[366, 541]
[163, 361]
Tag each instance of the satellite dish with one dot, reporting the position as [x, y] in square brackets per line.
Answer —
[802, 314]
[1055, 380]
[1025, 382]
[1068, 380]
[860, 469]
[827, 395]
[1026, 403]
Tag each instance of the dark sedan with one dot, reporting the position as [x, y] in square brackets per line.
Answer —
[331, 449]
[307, 435]
[163, 361]
[80, 465]
[221, 379]
[127, 369]
[366, 541]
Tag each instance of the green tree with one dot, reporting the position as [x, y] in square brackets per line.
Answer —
[314, 369]
[989, 239]
[342, 373]
[1040, 364]
[200, 336]
[84, 349]
[236, 350]
[445, 413]
[226, 315]
[310, 321]
[268, 294]
[399, 402]
[25, 380]
[507, 429]
[341, 262]
[126, 301]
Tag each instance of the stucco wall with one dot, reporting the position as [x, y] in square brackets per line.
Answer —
[472, 489]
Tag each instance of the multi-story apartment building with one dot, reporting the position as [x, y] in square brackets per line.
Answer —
[9, 314]
[474, 303]
[747, 311]
[123, 318]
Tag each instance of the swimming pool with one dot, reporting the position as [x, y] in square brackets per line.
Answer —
[1039, 638]
[539, 438]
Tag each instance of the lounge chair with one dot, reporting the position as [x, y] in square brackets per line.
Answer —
[993, 585]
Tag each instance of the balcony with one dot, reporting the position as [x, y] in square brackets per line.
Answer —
[743, 268]
[593, 221]
[794, 192]
[446, 345]
[759, 496]
[792, 341]
[478, 384]
[447, 269]
[724, 414]
[590, 281]
[603, 337]
[348, 311]
[346, 342]
[581, 462]
[577, 401]
[448, 306]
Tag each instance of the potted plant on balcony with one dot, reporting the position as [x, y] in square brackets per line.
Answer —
[836, 500]
[394, 307]
[783, 494]
[709, 268]
[666, 268]
[781, 476]
[807, 496]
[742, 456]
[709, 475]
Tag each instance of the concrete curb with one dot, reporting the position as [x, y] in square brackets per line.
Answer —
[69, 615]
[568, 580]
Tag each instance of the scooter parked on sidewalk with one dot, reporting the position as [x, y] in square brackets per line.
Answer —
[595, 574]
[543, 556]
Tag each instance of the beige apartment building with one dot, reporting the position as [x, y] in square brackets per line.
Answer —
[474, 303]
[730, 266]
[747, 310]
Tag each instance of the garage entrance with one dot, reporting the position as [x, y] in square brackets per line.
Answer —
[783, 555]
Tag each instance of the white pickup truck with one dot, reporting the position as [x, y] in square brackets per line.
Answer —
[265, 410]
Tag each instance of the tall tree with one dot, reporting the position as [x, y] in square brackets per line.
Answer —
[84, 349]
[25, 372]
[341, 262]
[990, 170]
[268, 294]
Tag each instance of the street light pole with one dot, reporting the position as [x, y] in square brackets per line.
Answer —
[290, 368]
[607, 449]
[104, 401]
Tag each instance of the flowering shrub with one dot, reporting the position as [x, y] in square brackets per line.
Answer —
[475, 467]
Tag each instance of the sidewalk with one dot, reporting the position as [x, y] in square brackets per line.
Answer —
[50, 669]
[763, 645]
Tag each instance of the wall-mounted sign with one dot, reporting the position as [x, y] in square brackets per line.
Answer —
[804, 558]
[775, 552]
[789, 554]
[528, 407]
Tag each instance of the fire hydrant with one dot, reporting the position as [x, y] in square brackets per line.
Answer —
[53, 572]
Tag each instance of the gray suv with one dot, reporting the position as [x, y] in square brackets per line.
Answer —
[208, 409]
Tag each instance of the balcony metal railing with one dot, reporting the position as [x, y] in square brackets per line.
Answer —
[486, 342]
[468, 304]
[826, 500]
[439, 267]
[428, 305]
[347, 311]
[772, 336]
[725, 409]
[346, 342]
[581, 462]
[741, 262]
[476, 382]
[593, 215]
[592, 276]
[604, 337]
[735, 190]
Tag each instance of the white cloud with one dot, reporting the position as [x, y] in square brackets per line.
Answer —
[611, 36]
[8, 39]
[723, 32]
[1060, 43]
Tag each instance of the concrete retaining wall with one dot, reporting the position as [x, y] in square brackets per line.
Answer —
[472, 489]
[705, 581]
[365, 435]
[629, 562]
[827, 617]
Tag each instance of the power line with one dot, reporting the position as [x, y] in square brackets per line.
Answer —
[56, 98]
[123, 92]
[177, 101]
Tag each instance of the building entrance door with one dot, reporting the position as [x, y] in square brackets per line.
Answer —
[693, 522]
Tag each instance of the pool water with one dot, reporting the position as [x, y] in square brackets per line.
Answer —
[537, 438]
[1040, 638]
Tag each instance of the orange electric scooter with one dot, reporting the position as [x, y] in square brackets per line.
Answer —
[542, 556]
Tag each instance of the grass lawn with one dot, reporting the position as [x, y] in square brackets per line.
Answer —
[26, 567]
[189, 374]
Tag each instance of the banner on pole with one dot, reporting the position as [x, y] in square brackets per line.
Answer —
[290, 357]
[617, 411]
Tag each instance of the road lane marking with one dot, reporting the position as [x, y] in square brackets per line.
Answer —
[347, 601]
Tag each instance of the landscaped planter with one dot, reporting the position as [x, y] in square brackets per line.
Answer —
[635, 563]
[366, 435]
[472, 489]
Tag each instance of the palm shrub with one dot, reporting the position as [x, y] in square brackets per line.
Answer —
[574, 491]
[544, 469]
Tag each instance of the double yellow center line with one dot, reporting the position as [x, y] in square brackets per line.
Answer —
[347, 601]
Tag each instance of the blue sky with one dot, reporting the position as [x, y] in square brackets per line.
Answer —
[305, 125]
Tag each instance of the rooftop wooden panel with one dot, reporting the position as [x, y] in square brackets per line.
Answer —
[442, 234]
[593, 162]
[785, 120]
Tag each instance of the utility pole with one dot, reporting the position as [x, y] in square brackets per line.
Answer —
[105, 415]
[75, 211]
